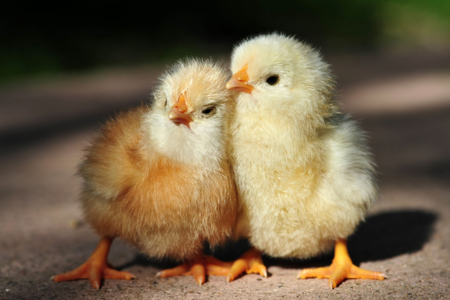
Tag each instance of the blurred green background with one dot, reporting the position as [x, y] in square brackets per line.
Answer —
[41, 40]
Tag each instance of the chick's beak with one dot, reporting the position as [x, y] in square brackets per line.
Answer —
[238, 82]
[178, 111]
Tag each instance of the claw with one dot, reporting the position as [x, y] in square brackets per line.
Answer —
[96, 285]
[200, 280]
[264, 273]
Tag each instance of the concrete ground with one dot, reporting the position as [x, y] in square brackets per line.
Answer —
[401, 100]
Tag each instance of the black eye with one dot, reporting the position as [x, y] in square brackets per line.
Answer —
[273, 80]
[209, 110]
[165, 103]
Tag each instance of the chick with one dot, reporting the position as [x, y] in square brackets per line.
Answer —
[304, 176]
[158, 177]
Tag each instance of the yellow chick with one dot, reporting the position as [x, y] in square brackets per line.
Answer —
[304, 175]
[158, 177]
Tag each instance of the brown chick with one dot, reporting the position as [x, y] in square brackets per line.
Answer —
[158, 177]
[304, 176]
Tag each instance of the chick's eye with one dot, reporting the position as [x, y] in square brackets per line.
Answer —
[273, 80]
[208, 111]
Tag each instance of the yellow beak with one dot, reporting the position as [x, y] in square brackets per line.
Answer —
[178, 111]
[238, 82]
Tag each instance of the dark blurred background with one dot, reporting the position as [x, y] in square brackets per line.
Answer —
[39, 39]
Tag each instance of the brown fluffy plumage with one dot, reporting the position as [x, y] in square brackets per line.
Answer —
[164, 207]
[158, 177]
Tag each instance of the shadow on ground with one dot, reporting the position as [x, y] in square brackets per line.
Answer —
[390, 234]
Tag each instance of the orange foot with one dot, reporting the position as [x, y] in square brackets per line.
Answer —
[341, 268]
[96, 267]
[199, 268]
[249, 262]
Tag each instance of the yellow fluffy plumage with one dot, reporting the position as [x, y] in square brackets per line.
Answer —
[304, 176]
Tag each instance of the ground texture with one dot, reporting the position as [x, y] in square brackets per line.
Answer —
[401, 100]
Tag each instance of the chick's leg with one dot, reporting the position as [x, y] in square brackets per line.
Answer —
[341, 268]
[249, 262]
[96, 267]
[199, 268]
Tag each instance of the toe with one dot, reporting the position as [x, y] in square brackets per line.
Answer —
[177, 271]
[238, 267]
[114, 274]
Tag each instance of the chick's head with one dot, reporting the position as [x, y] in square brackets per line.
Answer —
[277, 74]
[187, 121]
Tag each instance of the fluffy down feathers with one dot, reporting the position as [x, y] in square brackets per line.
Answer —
[164, 187]
[303, 173]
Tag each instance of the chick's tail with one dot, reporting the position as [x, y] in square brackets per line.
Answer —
[96, 267]
[341, 268]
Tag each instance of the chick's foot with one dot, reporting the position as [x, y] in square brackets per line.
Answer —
[341, 268]
[198, 268]
[96, 267]
[249, 262]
